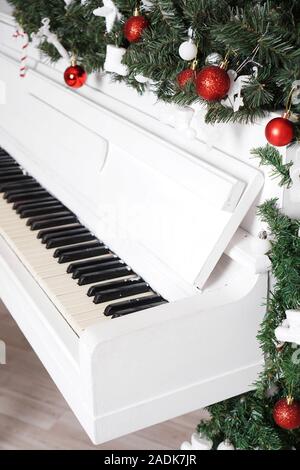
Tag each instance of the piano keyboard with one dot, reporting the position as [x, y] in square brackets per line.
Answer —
[84, 279]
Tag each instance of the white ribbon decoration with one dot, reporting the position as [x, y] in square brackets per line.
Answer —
[44, 32]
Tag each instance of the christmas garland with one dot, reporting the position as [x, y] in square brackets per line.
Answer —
[269, 417]
[242, 59]
[239, 57]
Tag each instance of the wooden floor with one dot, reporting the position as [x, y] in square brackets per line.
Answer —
[34, 415]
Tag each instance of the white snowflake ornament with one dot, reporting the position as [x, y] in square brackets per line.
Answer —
[110, 12]
[234, 99]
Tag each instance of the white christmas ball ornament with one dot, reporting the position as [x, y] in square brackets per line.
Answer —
[226, 445]
[200, 442]
[186, 446]
[188, 50]
[264, 245]
[214, 59]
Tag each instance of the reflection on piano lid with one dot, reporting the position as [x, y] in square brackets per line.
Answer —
[82, 276]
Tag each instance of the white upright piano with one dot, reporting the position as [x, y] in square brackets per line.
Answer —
[129, 255]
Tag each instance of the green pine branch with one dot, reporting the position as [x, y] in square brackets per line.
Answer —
[218, 26]
[270, 156]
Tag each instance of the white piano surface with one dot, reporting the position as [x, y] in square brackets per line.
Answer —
[102, 152]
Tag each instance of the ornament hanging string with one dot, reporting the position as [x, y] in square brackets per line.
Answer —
[25, 43]
[289, 103]
[254, 53]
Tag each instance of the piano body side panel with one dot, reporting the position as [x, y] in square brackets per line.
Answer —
[177, 358]
[46, 330]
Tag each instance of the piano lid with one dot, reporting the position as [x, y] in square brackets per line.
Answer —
[167, 213]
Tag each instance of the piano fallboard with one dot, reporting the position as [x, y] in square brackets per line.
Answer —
[85, 280]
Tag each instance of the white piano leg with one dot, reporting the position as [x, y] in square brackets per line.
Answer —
[149, 368]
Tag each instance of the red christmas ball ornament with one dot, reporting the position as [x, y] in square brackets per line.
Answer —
[212, 83]
[134, 27]
[286, 414]
[280, 131]
[187, 76]
[75, 76]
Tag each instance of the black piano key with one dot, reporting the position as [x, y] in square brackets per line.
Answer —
[4, 184]
[64, 232]
[61, 218]
[17, 196]
[99, 276]
[43, 234]
[37, 204]
[136, 309]
[71, 240]
[13, 178]
[24, 188]
[29, 184]
[79, 247]
[126, 307]
[114, 284]
[8, 166]
[10, 172]
[85, 253]
[9, 169]
[97, 267]
[3, 153]
[125, 291]
[81, 264]
[41, 211]
[16, 205]
[9, 162]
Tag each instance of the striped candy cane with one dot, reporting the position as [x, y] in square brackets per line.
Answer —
[25, 44]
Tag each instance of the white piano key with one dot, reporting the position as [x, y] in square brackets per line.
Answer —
[84, 304]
